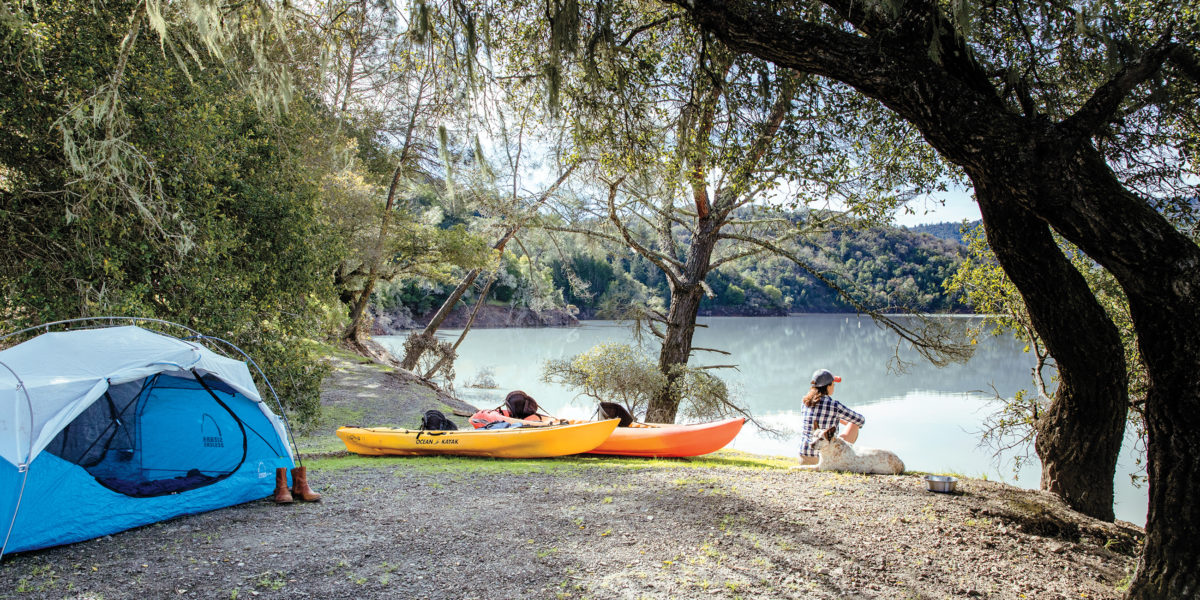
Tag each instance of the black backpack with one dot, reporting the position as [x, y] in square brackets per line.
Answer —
[434, 420]
[612, 410]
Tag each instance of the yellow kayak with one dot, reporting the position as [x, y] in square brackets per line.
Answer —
[523, 442]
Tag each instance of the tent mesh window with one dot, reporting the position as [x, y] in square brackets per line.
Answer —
[160, 435]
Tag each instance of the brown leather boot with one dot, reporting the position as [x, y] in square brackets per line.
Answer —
[282, 495]
[300, 485]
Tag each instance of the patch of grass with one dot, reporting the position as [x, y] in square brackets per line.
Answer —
[492, 466]
[42, 578]
[1123, 585]
[271, 581]
[452, 464]
[700, 481]
[341, 415]
[929, 514]
[727, 522]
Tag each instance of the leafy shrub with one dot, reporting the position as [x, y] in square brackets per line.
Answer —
[609, 372]
[625, 374]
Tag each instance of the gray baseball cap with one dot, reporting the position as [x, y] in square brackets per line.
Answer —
[822, 378]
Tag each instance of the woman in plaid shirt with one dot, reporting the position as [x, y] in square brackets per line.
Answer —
[821, 412]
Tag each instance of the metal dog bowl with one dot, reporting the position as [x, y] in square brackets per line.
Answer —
[943, 484]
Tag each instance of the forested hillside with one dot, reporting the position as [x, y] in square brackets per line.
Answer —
[881, 267]
[949, 230]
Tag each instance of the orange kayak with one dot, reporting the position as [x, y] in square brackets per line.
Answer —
[653, 440]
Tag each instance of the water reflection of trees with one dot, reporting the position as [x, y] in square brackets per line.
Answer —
[778, 355]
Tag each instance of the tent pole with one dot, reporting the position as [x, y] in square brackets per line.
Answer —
[23, 467]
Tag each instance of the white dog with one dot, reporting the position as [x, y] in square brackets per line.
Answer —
[837, 455]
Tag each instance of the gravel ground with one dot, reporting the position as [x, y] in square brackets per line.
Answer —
[726, 526]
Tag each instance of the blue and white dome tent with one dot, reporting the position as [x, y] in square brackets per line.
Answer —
[105, 427]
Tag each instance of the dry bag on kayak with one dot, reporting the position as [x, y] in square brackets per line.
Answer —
[485, 417]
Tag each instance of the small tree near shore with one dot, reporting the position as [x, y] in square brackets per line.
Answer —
[623, 373]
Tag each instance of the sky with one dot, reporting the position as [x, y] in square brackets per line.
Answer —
[958, 205]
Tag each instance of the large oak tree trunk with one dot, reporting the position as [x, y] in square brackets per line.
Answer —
[1079, 435]
[1170, 566]
[1159, 269]
[1064, 182]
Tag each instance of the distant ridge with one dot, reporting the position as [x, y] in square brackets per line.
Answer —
[949, 230]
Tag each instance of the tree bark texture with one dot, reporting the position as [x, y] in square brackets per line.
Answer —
[1054, 172]
[681, 319]
[1079, 436]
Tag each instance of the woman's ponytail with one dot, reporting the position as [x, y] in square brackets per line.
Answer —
[815, 394]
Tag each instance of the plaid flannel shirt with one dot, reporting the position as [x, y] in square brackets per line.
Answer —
[826, 413]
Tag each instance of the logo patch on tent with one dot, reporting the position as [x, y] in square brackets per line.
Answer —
[206, 433]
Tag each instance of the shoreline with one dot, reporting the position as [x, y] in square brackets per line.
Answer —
[728, 525]
[492, 318]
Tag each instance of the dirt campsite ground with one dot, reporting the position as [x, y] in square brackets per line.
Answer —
[725, 526]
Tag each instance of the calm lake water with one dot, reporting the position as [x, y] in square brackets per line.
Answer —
[929, 416]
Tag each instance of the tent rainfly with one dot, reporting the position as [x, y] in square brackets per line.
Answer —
[102, 430]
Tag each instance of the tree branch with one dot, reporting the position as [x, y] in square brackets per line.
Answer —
[1104, 103]
[581, 231]
[666, 266]
[717, 263]
[650, 25]
[749, 164]
[696, 149]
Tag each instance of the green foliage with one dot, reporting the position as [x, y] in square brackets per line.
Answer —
[983, 286]
[237, 186]
[610, 373]
[702, 395]
[627, 375]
